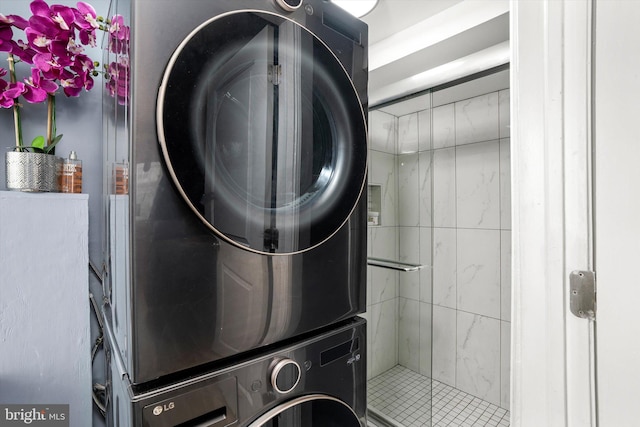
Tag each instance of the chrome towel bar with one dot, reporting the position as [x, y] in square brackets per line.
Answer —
[393, 265]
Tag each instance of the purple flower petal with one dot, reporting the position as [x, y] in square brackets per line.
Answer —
[48, 86]
[88, 37]
[86, 9]
[40, 8]
[6, 46]
[10, 92]
[86, 17]
[34, 95]
[84, 64]
[15, 90]
[37, 40]
[17, 21]
[5, 33]
[44, 26]
[43, 61]
[25, 54]
[72, 91]
[88, 84]
[59, 50]
[35, 77]
[6, 102]
[63, 16]
[52, 74]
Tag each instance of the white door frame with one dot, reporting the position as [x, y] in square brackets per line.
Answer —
[552, 367]
[616, 207]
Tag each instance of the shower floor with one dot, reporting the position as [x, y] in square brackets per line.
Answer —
[406, 397]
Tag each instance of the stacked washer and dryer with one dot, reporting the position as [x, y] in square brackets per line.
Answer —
[235, 213]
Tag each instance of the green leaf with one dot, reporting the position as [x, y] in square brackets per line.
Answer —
[38, 142]
[51, 146]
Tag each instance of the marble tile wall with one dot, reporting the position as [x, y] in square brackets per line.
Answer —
[382, 284]
[454, 217]
[444, 174]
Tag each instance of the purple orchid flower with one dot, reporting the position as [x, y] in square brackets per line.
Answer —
[86, 16]
[44, 26]
[53, 43]
[119, 34]
[87, 22]
[9, 91]
[62, 16]
[117, 28]
[14, 20]
[23, 51]
[6, 34]
[71, 87]
[37, 40]
[50, 29]
[46, 63]
[60, 51]
[83, 65]
[3, 83]
[38, 87]
[118, 82]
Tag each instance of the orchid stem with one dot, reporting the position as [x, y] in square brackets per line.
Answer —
[51, 118]
[17, 122]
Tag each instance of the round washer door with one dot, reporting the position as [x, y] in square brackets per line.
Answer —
[262, 132]
[316, 410]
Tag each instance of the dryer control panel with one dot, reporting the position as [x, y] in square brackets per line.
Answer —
[314, 382]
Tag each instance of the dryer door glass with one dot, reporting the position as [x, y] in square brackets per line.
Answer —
[263, 132]
[309, 411]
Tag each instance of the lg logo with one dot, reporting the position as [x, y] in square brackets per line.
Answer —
[163, 408]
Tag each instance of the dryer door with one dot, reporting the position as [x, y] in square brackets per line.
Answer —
[316, 410]
[263, 132]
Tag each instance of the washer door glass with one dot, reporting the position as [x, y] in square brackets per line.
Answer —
[263, 132]
[309, 411]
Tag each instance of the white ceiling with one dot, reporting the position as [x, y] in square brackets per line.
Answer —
[391, 16]
[418, 44]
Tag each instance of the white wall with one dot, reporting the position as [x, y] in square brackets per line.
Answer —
[44, 304]
[617, 236]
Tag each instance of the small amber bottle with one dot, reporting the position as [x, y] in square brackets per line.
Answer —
[71, 175]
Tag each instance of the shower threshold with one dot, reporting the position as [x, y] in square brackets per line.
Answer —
[401, 397]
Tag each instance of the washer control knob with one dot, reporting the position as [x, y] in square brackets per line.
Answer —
[285, 375]
[289, 5]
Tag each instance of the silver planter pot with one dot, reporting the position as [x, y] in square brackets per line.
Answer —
[27, 171]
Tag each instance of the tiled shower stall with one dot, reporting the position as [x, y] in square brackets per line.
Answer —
[439, 178]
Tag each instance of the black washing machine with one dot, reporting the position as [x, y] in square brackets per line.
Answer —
[235, 215]
[319, 381]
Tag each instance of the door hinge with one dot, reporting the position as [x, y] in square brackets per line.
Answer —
[275, 74]
[582, 294]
